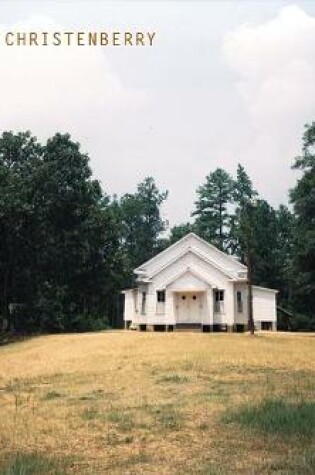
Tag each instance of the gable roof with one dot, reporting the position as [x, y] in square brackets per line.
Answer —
[189, 270]
[265, 289]
[194, 251]
[142, 269]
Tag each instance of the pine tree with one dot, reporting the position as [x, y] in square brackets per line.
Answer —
[212, 208]
[266, 266]
[243, 193]
[284, 252]
[142, 223]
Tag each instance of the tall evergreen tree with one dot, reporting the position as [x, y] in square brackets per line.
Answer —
[243, 194]
[243, 190]
[266, 266]
[142, 223]
[303, 199]
[212, 208]
[284, 254]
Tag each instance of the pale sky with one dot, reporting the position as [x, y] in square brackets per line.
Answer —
[225, 82]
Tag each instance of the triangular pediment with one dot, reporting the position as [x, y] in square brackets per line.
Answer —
[191, 243]
[187, 279]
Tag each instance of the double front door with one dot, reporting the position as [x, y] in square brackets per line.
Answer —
[189, 307]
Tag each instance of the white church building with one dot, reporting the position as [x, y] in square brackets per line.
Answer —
[194, 285]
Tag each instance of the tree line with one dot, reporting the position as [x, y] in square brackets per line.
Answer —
[67, 249]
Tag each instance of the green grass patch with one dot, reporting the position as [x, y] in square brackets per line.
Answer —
[93, 395]
[136, 459]
[33, 464]
[209, 469]
[173, 378]
[277, 416]
[301, 464]
[90, 414]
[52, 395]
[167, 416]
[114, 438]
[122, 420]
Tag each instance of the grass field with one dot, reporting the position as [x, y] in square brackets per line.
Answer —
[153, 403]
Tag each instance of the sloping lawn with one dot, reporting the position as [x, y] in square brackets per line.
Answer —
[153, 403]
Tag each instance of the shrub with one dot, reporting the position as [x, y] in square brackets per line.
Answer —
[85, 322]
[303, 323]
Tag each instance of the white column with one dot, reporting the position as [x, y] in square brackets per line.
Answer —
[169, 308]
[209, 307]
[229, 305]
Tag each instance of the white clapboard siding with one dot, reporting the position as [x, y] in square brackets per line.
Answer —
[264, 304]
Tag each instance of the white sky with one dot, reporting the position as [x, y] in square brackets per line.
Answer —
[225, 82]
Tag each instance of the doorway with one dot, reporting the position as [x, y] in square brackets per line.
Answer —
[189, 307]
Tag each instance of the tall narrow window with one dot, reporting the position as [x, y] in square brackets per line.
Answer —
[239, 301]
[160, 295]
[143, 302]
[160, 302]
[219, 301]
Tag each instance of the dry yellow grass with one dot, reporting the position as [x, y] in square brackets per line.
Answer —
[130, 403]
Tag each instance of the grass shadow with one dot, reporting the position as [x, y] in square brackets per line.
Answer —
[33, 464]
[300, 464]
[277, 416]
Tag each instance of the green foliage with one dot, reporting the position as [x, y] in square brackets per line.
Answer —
[243, 190]
[60, 252]
[266, 268]
[141, 223]
[303, 323]
[179, 231]
[67, 249]
[212, 214]
[228, 217]
[19, 156]
[277, 416]
[231, 215]
[303, 199]
[284, 254]
[243, 193]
